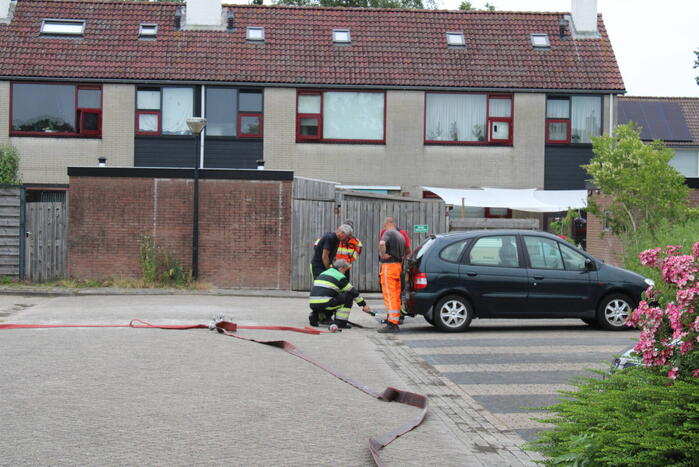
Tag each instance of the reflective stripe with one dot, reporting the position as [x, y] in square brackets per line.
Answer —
[342, 313]
[347, 288]
[326, 284]
[319, 299]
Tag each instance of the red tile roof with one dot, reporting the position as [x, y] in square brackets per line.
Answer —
[690, 110]
[401, 48]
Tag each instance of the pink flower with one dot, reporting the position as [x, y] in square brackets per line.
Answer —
[695, 373]
[672, 250]
[650, 257]
[672, 374]
[695, 250]
[678, 270]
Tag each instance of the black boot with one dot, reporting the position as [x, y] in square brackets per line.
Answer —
[313, 319]
[343, 324]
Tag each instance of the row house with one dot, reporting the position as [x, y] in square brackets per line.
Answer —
[381, 99]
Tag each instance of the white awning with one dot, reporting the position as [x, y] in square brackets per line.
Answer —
[528, 199]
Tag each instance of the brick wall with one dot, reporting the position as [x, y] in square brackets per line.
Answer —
[609, 247]
[245, 226]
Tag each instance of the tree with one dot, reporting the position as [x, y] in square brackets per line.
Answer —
[9, 165]
[467, 6]
[644, 190]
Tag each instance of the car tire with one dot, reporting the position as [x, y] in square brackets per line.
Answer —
[429, 320]
[452, 313]
[613, 311]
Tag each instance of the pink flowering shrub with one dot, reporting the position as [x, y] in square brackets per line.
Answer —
[669, 321]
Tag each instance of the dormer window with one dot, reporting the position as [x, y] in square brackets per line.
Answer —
[341, 36]
[456, 39]
[256, 34]
[540, 41]
[63, 27]
[148, 31]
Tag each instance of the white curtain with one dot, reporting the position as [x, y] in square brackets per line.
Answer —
[309, 104]
[148, 100]
[148, 122]
[178, 106]
[686, 162]
[353, 115]
[586, 119]
[500, 108]
[557, 108]
[456, 117]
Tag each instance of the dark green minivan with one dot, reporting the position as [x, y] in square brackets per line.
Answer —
[459, 276]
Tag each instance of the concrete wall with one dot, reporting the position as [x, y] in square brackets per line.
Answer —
[45, 159]
[245, 227]
[405, 160]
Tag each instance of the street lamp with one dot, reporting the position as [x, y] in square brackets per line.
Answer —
[196, 125]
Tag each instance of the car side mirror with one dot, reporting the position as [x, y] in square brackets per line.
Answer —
[589, 265]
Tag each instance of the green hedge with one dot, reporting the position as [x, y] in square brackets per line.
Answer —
[635, 417]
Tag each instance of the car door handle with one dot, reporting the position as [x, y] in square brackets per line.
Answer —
[471, 274]
[539, 278]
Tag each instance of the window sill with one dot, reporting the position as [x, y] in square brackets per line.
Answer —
[54, 135]
[468, 143]
[333, 141]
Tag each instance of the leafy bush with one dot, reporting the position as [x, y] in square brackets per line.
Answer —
[161, 267]
[632, 418]
[9, 165]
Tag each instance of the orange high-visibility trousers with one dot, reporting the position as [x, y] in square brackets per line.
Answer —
[390, 288]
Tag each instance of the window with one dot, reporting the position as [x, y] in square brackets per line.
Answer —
[341, 36]
[573, 119]
[63, 27]
[499, 250]
[164, 110]
[256, 34]
[543, 253]
[341, 116]
[686, 162]
[540, 41]
[56, 110]
[456, 39]
[468, 118]
[498, 213]
[453, 252]
[233, 112]
[573, 260]
[148, 31]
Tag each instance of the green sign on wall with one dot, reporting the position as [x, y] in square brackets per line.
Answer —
[421, 228]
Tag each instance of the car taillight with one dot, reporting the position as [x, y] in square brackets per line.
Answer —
[420, 281]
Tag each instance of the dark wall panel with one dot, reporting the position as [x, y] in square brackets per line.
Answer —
[562, 167]
[164, 152]
[232, 154]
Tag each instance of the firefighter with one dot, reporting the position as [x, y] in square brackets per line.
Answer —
[349, 249]
[333, 293]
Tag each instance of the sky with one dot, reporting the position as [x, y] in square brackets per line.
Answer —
[653, 40]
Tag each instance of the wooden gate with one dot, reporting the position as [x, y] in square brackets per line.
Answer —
[317, 208]
[10, 231]
[46, 243]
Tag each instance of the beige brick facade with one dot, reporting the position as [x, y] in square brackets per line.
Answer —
[405, 160]
[45, 159]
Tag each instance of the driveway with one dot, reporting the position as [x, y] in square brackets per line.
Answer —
[115, 396]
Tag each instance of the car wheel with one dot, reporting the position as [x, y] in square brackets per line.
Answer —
[452, 313]
[613, 311]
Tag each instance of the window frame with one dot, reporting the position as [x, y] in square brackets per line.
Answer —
[149, 112]
[568, 121]
[488, 121]
[62, 21]
[77, 113]
[488, 215]
[474, 241]
[319, 116]
[249, 114]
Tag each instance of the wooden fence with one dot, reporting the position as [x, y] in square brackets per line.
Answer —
[46, 243]
[10, 231]
[319, 208]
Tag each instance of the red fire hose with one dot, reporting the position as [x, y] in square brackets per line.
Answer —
[228, 328]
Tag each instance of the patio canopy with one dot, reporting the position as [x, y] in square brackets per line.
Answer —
[528, 199]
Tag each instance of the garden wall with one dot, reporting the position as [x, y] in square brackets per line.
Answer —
[244, 223]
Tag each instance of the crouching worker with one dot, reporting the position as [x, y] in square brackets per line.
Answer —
[331, 294]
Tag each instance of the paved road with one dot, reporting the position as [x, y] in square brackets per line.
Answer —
[511, 367]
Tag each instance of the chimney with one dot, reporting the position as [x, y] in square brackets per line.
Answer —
[6, 9]
[204, 14]
[584, 18]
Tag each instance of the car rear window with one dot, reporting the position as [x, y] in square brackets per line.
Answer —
[422, 249]
[453, 252]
